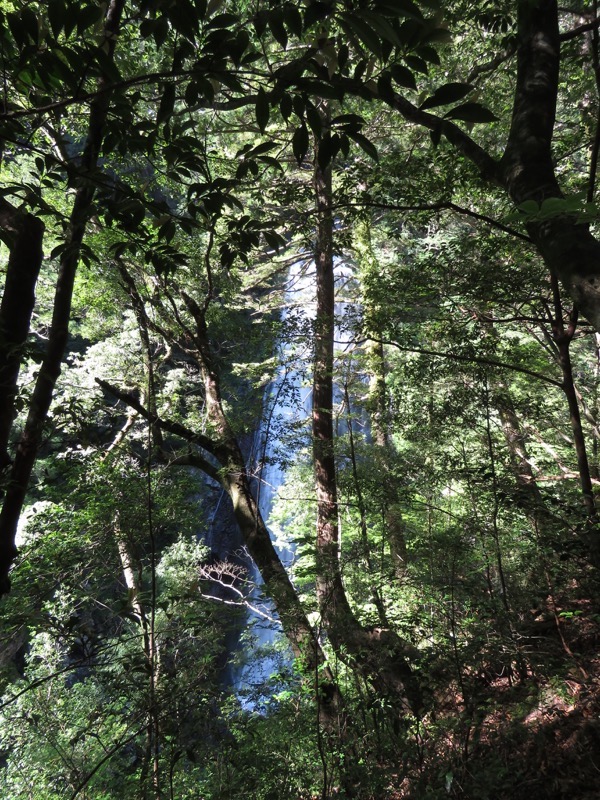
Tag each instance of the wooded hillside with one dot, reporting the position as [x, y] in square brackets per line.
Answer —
[300, 399]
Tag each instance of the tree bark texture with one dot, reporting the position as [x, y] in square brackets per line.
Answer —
[49, 371]
[378, 654]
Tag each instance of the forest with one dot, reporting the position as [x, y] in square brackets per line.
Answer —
[300, 399]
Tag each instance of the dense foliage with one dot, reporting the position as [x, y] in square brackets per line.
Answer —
[300, 369]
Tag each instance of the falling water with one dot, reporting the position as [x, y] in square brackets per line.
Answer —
[264, 653]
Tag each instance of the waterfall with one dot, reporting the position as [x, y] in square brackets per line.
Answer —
[264, 653]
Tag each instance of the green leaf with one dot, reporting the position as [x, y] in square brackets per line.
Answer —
[56, 15]
[428, 54]
[88, 17]
[260, 149]
[286, 107]
[417, 63]
[529, 207]
[260, 22]
[242, 171]
[324, 152]
[381, 25]
[400, 8]
[403, 76]
[439, 35]
[328, 149]
[161, 31]
[449, 93]
[348, 119]
[270, 161]
[344, 145]
[553, 206]
[471, 112]
[314, 119]
[238, 47]
[355, 26]
[384, 86]
[184, 18]
[167, 230]
[300, 143]
[262, 110]
[364, 143]
[147, 28]
[18, 29]
[30, 23]
[293, 19]
[359, 70]
[274, 240]
[315, 12]
[436, 135]
[299, 105]
[277, 28]
[167, 103]
[343, 55]
[191, 93]
[224, 21]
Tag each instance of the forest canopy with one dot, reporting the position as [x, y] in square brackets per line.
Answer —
[299, 421]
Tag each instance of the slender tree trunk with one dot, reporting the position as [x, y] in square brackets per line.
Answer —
[362, 510]
[49, 371]
[233, 475]
[236, 481]
[528, 491]
[133, 581]
[377, 400]
[141, 316]
[563, 338]
[377, 653]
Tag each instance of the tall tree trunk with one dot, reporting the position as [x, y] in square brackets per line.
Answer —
[377, 399]
[528, 495]
[362, 510]
[526, 170]
[132, 575]
[49, 371]
[563, 336]
[237, 483]
[226, 464]
[377, 653]
[18, 299]
[568, 247]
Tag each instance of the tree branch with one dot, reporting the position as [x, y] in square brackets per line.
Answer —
[441, 206]
[490, 362]
[575, 32]
[166, 425]
[487, 165]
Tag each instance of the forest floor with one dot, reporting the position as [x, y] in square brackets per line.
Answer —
[534, 737]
